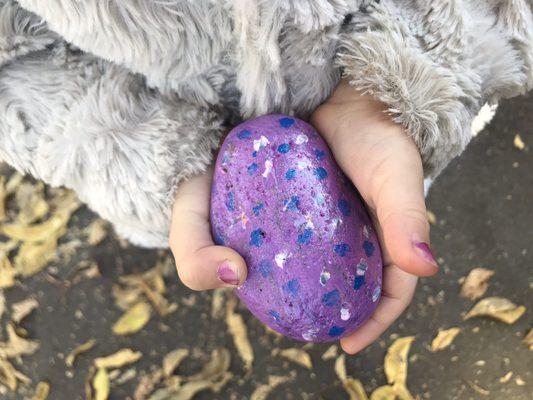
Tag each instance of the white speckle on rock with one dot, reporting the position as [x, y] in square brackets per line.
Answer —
[310, 335]
[345, 314]
[301, 139]
[268, 168]
[281, 259]
[260, 143]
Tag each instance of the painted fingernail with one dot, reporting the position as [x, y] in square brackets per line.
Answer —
[424, 251]
[228, 273]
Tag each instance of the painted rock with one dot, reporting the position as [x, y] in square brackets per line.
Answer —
[280, 200]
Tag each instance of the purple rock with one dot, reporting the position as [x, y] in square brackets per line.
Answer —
[280, 200]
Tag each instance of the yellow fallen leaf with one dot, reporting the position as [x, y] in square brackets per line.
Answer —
[297, 356]
[15, 180]
[22, 309]
[101, 385]
[216, 368]
[353, 387]
[7, 374]
[125, 298]
[478, 388]
[330, 353]
[383, 393]
[498, 308]
[31, 203]
[172, 360]
[432, 219]
[262, 391]
[82, 348]
[42, 390]
[16, 346]
[96, 232]
[518, 142]
[217, 303]
[54, 227]
[34, 256]
[7, 272]
[507, 377]
[117, 360]
[238, 331]
[444, 338]
[133, 320]
[476, 283]
[396, 360]
[528, 340]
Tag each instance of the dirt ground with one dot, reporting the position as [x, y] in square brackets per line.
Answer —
[483, 205]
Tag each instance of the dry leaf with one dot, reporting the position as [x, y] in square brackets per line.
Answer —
[476, 283]
[519, 381]
[22, 309]
[498, 308]
[133, 320]
[31, 203]
[353, 387]
[14, 182]
[101, 385]
[7, 374]
[238, 330]
[7, 272]
[54, 227]
[340, 367]
[82, 348]
[125, 298]
[215, 368]
[444, 338]
[528, 340]
[330, 353]
[518, 142]
[16, 346]
[96, 232]
[396, 360]
[262, 391]
[383, 393]
[147, 384]
[507, 377]
[2, 303]
[118, 359]
[432, 219]
[217, 303]
[41, 391]
[172, 360]
[478, 389]
[297, 356]
[33, 257]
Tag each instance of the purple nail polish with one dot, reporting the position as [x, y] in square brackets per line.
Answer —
[227, 274]
[424, 251]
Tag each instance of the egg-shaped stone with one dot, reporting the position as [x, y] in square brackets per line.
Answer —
[280, 200]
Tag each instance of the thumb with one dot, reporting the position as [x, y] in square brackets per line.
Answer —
[201, 264]
[385, 166]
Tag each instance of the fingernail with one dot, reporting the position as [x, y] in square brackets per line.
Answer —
[424, 251]
[227, 273]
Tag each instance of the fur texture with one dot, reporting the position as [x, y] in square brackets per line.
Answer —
[121, 100]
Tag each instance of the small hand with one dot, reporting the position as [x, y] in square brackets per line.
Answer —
[384, 164]
[201, 264]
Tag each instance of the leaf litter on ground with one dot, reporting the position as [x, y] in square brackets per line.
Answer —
[444, 339]
[82, 348]
[239, 332]
[498, 308]
[476, 283]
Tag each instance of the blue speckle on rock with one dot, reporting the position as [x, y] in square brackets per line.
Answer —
[230, 201]
[292, 287]
[256, 237]
[252, 168]
[290, 174]
[321, 173]
[341, 249]
[320, 154]
[286, 122]
[284, 148]
[265, 267]
[369, 248]
[292, 204]
[257, 208]
[330, 299]
[358, 282]
[274, 314]
[335, 331]
[219, 239]
[244, 134]
[305, 236]
[344, 207]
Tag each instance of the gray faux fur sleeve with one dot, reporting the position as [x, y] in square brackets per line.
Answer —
[435, 63]
[121, 100]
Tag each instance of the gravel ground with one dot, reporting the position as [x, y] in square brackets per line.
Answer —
[483, 204]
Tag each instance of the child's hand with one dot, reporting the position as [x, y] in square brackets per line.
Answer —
[201, 264]
[385, 166]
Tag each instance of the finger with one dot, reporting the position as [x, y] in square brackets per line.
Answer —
[398, 290]
[386, 168]
[201, 264]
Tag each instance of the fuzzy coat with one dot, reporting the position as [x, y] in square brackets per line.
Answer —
[121, 100]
